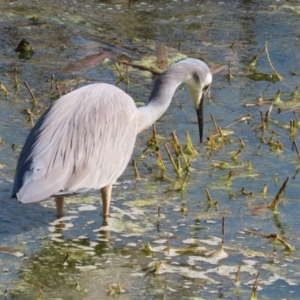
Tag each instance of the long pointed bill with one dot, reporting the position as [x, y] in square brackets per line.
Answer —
[199, 111]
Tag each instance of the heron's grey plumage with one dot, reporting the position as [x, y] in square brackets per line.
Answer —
[85, 139]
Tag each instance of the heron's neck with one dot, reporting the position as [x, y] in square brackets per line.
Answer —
[161, 96]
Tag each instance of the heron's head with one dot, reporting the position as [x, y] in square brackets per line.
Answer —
[198, 83]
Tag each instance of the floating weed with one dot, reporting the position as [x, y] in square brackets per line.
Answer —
[243, 119]
[275, 237]
[263, 123]
[11, 250]
[242, 143]
[210, 200]
[265, 189]
[249, 165]
[163, 177]
[178, 164]
[277, 99]
[293, 129]
[275, 202]
[296, 119]
[229, 75]
[208, 197]
[237, 154]
[30, 115]
[215, 124]
[230, 176]
[262, 76]
[178, 171]
[115, 289]
[64, 262]
[144, 202]
[160, 161]
[274, 145]
[253, 63]
[240, 193]
[295, 93]
[52, 84]
[297, 150]
[185, 271]
[17, 81]
[24, 49]
[232, 46]
[253, 253]
[39, 297]
[190, 149]
[78, 288]
[237, 274]
[4, 89]
[245, 193]
[276, 75]
[178, 149]
[1, 140]
[221, 165]
[260, 209]
[148, 63]
[175, 143]
[154, 266]
[146, 248]
[219, 132]
[121, 76]
[220, 253]
[284, 106]
[34, 100]
[184, 182]
[152, 144]
[211, 141]
[5, 293]
[268, 113]
[191, 250]
[183, 209]
[219, 140]
[216, 255]
[254, 289]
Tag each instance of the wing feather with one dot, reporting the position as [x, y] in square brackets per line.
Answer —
[83, 141]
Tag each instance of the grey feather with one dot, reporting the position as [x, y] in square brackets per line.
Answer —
[83, 141]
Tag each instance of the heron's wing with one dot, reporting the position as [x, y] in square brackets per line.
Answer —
[83, 141]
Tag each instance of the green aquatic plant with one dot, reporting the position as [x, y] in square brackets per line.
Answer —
[175, 166]
[190, 149]
[4, 89]
[274, 77]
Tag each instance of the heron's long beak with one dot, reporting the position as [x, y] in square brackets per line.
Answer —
[199, 111]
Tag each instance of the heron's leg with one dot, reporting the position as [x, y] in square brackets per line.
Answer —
[59, 201]
[106, 197]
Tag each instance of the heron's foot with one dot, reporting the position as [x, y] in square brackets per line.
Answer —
[104, 223]
[105, 220]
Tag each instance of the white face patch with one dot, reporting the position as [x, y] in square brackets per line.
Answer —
[196, 90]
[198, 85]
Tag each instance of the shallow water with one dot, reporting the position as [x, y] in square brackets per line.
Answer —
[179, 265]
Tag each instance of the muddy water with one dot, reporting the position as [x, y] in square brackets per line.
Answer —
[75, 258]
